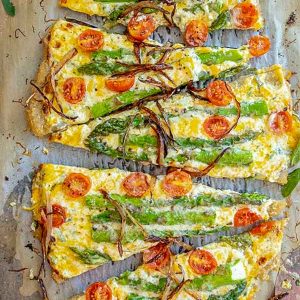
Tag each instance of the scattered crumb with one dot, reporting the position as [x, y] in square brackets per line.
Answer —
[12, 204]
[292, 18]
[286, 284]
[31, 275]
[45, 151]
[25, 150]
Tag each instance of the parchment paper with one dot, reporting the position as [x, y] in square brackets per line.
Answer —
[21, 152]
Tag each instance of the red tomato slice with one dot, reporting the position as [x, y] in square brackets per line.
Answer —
[259, 45]
[218, 93]
[91, 40]
[120, 84]
[141, 27]
[245, 217]
[136, 184]
[59, 215]
[281, 122]
[202, 262]
[196, 33]
[177, 183]
[245, 15]
[98, 291]
[216, 126]
[160, 254]
[263, 228]
[74, 89]
[76, 185]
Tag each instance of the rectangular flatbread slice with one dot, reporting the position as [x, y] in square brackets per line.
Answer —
[260, 143]
[216, 14]
[75, 85]
[108, 215]
[229, 269]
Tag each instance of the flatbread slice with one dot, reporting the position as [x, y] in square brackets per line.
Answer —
[215, 14]
[88, 73]
[89, 217]
[188, 130]
[229, 269]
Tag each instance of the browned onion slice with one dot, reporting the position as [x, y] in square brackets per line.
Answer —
[141, 5]
[238, 107]
[120, 210]
[49, 103]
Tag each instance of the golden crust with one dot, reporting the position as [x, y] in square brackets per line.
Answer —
[35, 111]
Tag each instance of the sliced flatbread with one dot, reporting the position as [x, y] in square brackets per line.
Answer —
[90, 217]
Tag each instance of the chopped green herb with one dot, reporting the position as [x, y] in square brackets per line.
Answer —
[292, 182]
[295, 158]
[9, 7]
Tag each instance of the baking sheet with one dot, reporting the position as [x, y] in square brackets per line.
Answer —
[21, 152]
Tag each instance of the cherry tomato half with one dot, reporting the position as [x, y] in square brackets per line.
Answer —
[74, 89]
[98, 291]
[120, 84]
[259, 45]
[91, 40]
[216, 126]
[196, 33]
[59, 215]
[141, 27]
[281, 122]
[76, 185]
[263, 228]
[218, 93]
[245, 15]
[177, 183]
[136, 184]
[245, 217]
[202, 262]
[161, 252]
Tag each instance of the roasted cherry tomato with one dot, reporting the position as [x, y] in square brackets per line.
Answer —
[98, 291]
[76, 185]
[74, 89]
[202, 262]
[196, 33]
[157, 257]
[216, 126]
[259, 45]
[281, 122]
[136, 184]
[245, 15]
[59, 215]
[218, 93]
[91, 40]
[177, 183]
[263, 228]
[245, 217]
[141, 27]
[120, 84]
